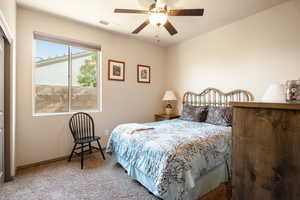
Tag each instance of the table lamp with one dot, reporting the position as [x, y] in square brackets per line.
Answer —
[274, 93]
[168, 97]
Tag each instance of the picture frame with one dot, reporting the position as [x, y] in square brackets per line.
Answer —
[293, 91]
[143, 74]
[116, 70]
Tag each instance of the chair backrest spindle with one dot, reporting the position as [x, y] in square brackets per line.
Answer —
[82, 126]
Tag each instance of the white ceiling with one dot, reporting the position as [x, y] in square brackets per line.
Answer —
[217, 13]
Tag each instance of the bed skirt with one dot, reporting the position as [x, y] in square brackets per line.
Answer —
[203, 184]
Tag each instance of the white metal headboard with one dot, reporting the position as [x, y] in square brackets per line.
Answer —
[215, 97]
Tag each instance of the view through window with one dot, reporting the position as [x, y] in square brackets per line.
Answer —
[66, 78]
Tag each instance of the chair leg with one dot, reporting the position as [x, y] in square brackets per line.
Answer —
[90, 146]
[82, 156]
[70, 157]
[100, 149]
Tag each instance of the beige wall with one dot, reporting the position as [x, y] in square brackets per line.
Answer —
[8, 23]
[249, 54]
[47, 137]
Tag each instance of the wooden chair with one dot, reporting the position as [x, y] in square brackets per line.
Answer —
[83, 130]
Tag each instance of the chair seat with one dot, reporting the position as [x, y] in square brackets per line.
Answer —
[87, 140]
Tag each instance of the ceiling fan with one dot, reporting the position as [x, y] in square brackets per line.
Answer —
[158, 15]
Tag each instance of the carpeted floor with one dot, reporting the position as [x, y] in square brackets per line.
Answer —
[100, 180]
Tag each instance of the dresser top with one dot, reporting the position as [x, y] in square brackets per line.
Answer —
[283, 106]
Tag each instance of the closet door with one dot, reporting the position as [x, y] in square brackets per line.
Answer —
[1, 109]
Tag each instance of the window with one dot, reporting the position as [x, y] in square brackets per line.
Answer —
[66, 76]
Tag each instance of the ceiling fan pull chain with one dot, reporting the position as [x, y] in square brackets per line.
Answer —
[157, 36]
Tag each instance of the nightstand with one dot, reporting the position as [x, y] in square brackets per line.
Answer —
[161, 117]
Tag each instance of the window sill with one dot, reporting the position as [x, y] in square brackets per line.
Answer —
[63, 113]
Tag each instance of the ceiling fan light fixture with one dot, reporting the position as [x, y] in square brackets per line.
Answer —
[158, 18]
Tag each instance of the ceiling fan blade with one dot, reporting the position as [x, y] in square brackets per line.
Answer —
[170, 28]
[143, 25]
[131, 11]
[152, 6]
[186, 12]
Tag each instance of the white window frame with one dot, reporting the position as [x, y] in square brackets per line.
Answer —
[70, 44]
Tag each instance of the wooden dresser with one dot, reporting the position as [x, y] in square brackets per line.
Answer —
[266, 151]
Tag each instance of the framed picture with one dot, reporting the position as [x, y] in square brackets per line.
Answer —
[143, 74]
[116, 70]
[293, 91]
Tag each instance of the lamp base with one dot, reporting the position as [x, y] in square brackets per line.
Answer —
[169, 111]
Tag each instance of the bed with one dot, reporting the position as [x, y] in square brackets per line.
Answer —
[178, 159]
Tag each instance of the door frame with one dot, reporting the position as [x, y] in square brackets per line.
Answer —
[7, 112]
[5, 28]
[2, 47]
[9, 96]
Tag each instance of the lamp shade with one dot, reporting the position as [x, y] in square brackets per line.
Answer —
[274, 93]
[169, 96]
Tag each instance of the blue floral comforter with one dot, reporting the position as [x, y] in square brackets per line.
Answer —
[173, 148]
